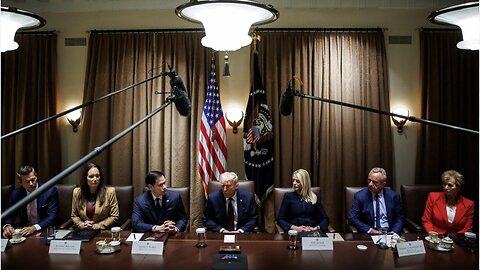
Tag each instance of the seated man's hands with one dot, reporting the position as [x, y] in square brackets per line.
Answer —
[167, 226]
[28, 230]
[8, 231]
[304, 228]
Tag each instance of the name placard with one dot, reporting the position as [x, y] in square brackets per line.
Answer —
[147, 247]
[317, 243]
[65, 247]
[410, 248]
[229, 238]
[4, 244]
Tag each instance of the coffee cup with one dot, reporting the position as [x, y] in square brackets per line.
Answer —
[101, 245]
[446, 243]
[433, 237]
[17, 235]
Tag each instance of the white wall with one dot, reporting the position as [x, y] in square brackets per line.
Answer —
[403, 63]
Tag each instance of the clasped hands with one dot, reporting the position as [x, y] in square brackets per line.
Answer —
[304, 228]
[167, 226]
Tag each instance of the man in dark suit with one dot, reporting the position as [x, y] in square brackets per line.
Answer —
[40, 213]
[376, 208]
[230, 210]
[158, 209]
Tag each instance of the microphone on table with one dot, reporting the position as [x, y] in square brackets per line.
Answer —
[181, 98]
[286, 101]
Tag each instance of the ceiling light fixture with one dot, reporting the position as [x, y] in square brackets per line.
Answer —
[12, 19]
[227, 22]
[466, 16]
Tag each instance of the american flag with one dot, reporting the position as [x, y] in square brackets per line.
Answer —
[212, 146]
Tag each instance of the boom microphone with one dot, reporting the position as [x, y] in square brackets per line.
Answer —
[181, 98]
[286, 101]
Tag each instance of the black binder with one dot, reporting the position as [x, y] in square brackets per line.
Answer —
[85, 235]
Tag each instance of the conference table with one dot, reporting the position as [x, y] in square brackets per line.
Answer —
[263, 251]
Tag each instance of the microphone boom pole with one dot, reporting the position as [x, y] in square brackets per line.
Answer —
[90, 102]
[81, 161]
[410, 118]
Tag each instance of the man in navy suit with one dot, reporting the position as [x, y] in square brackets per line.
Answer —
[243, 215]
[158, 209]
[40, 213]
[376, 208]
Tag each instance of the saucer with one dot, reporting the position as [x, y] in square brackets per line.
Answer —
[17, 241]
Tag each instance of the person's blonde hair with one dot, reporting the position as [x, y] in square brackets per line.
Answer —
[458, 177]
[304, 178]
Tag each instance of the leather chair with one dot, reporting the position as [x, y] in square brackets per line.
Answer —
[414, 198]
[125, 206]
[65, 194]
[243, 184]
[279, 193]
[6, 191]
[185, 194]
[349, 194]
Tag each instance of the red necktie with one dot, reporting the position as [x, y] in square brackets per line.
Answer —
[230, 216]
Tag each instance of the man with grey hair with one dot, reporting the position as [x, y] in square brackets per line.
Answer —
[230, 210]
[375, 208]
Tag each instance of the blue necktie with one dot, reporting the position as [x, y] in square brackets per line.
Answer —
[377, 214]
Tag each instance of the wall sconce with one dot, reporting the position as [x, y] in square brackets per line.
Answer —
[74, 119]
[398, 121]
[467, 17]
[236, 114]
[12, 19]
[227, 22]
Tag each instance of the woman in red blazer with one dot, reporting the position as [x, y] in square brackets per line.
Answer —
[447, 212]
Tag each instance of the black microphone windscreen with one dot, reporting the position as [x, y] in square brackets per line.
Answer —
[286, 102]
[182, 100]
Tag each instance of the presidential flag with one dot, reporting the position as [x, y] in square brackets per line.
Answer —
[212, 146]
[258, 137]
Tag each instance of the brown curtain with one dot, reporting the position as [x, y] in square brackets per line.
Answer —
[449, 81]
[29, 94]
[337, 145]
[168, 141]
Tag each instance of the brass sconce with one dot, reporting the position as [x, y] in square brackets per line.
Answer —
[235, 123]
[74, 119]
[399, 121]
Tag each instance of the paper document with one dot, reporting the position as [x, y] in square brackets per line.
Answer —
[134, 237]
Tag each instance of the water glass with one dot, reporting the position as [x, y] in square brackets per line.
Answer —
[50, 233]
[116, 233]
[292, 239]
[201, 238]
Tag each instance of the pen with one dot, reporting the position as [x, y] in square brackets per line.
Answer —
[134, 237]
[333, 235]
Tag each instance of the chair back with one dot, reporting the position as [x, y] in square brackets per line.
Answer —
[185, 195]
[243, 184]
[414, 198]
[6, 191]
[65, 195]
[278, 194]
[125, 205]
